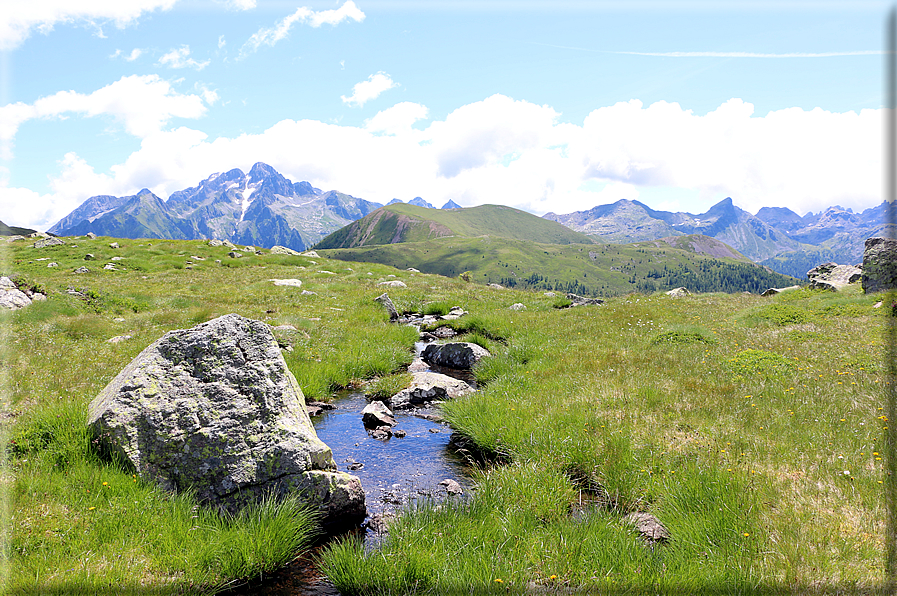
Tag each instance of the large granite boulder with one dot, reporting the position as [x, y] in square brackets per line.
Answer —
[50, 241]
[880, 265]
[11, 297]
[833, 277]
[215, 409]
[458, 355]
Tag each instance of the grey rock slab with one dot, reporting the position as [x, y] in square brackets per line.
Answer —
[879, 265]
[45, 242]
[283, 250]
[774, 291]
[82, 269]
[12, 298]
[114, 245]
[394, 283]
[428, 386]
[376, 414]
[451, 486]
[578, 300]
[458, 355]
[678, 293]
[91, 235]
[648, 527]
[517, 306]
[833, 277]
[214, 408]
[287, 282]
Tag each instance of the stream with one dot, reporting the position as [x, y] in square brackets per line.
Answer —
[394, 473]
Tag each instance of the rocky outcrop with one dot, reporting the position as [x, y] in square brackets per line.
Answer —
[774, 291]
[577, 300]
[51, 241]
[215, 409]
[459, 355]
[879, 265]
[296, 283]
[833, 277]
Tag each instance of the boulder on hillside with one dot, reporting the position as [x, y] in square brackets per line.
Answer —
[458, 355]
[833, 277]
[388, 305]
[215, 409]
[678, 293]
[577, 300]
[283, 250]
[11, 297]
[50, 241]
[879, 265]
[774, 291]
[394, 283]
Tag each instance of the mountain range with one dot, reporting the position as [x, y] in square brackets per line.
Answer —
[261, 208]
[777, 236]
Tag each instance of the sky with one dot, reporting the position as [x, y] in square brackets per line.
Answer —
[556, 105]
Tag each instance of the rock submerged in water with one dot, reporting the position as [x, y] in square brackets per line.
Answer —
[214, 408]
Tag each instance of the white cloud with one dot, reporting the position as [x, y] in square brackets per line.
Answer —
[180, 58]
[240, 4]
[134, 55]
[142, 103]
[303, 14]
[18, 18]
[397, 119]
[370, 89]
[520, 154]
[753, 54]
[221, 42]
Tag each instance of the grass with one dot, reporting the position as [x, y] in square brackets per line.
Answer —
[731, 418]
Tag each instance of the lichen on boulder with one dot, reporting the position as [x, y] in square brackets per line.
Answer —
[215, 409]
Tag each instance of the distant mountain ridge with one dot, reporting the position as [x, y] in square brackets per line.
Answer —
[262, 208]
[776, 236]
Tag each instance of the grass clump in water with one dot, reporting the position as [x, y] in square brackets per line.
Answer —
[387, 386]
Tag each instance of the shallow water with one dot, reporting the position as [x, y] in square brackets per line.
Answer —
[396, 472]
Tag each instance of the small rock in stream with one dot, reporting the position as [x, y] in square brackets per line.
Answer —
[355, 466]
[451, 486]
[376, 414]
[398, 433]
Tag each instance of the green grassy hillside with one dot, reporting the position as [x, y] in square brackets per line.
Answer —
[600, 270]
[408, 223]
[752, 428]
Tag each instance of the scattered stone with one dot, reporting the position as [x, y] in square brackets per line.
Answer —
[376, 414]
[379, 522]
[89, 257]
[399, 433]
[45, 242]
[194, 257]
[323, 405]
[381, 434]
[114, 245]
[459, 355]
[413, 270]
[234, 254]
[355, 466]
[648, 527]
[214, 242]
[427, 337]
[495, 286]
[577, 300]
[517, 306]
[82, 269]
[433, 430]
[833, 277]
[14, 238]
[325, 271]
[116, 259]
[109, 267]
[11, 297]
[38, 297]
[312, 254]
[287, 282]
[390, 307]
[307, 293]
[395, 283]
[119, 319]
[53, 264]
[879, 265]
[283, 250]
[878, 304]
[118, 339]
[774, 291]
[313, 410]
[218, 261]
[215, 409]
[451, 486]
[91, 235]
[550, 294]
[678, 293]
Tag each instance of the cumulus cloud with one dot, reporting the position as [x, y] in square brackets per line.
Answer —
[370, 89]
[19, 18]
[180, 58]
[397, 119]
[520, 154]
[142, 103]
[303, 14]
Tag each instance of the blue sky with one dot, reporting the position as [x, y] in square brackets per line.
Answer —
[544, 106]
